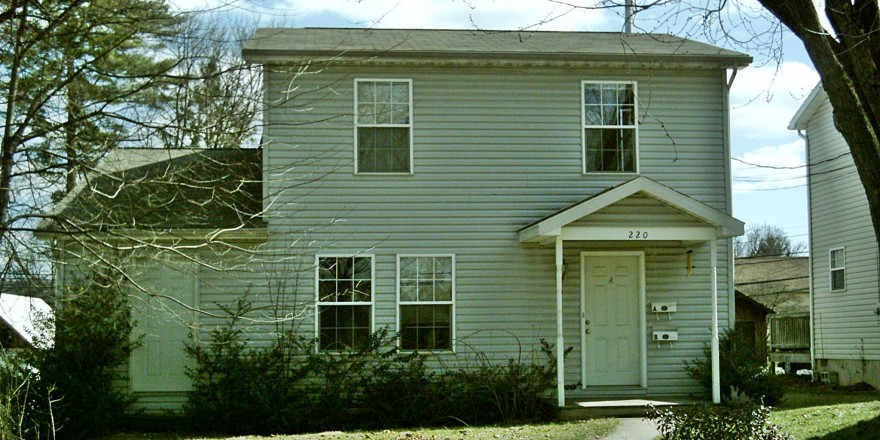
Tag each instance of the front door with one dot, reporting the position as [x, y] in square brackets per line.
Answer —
[165, 322]
[611, 295]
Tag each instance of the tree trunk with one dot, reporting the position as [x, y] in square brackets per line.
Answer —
[74, 112]
[9, 143]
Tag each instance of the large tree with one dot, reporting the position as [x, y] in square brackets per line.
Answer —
[81, 78]
[215, 99]
[72, 74]
[847, 57]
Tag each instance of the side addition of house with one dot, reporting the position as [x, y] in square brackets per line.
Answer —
[845, 279]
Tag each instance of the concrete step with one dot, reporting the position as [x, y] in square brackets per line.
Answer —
[593, 409]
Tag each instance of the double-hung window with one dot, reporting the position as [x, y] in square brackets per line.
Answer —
[426, 295]
[383, 126]
[610, 119]
[837, 263]
[345, 302]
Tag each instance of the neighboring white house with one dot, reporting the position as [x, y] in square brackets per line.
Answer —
[474, 191]
[845, 286]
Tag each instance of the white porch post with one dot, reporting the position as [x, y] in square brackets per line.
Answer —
[560, 350]
[716, 368]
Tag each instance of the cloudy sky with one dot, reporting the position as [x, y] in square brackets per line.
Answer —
[764, 97]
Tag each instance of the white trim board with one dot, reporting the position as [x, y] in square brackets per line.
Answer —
[724, 226]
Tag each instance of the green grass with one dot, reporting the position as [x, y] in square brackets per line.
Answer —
[826, 414]
[588, 429]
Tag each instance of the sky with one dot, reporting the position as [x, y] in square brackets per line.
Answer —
[764, 97]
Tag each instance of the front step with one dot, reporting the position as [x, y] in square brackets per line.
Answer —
[580, 410]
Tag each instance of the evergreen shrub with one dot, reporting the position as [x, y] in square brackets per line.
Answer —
[289, 387]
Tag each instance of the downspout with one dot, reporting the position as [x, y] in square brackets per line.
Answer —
[715, 352]
[810, 240]
[560, 350]
[728, 154]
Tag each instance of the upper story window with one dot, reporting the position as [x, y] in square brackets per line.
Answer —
[610, 118]
[426, 295]
[837, 260]
[345, 302]
[383, 126]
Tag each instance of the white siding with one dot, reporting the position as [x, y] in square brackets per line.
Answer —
[495, 150]
[846, 325]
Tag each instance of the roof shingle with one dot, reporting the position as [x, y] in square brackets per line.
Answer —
[480, 44]
[168, 189]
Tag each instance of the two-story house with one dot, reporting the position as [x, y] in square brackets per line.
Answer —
[844, 267]
[478, 191]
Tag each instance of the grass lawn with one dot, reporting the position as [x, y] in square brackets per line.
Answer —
[588, 429]
[827, 414]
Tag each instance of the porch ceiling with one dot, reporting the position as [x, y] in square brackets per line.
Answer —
[615, 215]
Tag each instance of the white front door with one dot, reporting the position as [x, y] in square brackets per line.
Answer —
[612, 302]
[165, 322]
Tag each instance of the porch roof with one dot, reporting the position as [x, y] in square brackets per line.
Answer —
[709, 223]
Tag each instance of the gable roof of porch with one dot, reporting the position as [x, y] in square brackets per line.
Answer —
[606, 216]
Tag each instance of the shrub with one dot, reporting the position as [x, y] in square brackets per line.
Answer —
[745, 421]
[242, 390]
[488, 393]
[741, 371]
[16, 388]
[288, 387]
[92, 340]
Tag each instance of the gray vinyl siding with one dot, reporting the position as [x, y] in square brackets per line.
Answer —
[496, 149]
[845, 322]
[639, 210]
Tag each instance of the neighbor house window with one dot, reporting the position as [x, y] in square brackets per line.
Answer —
[383, 126]
[838, 269]
[345, 302]
[610, 127]
[426, 292]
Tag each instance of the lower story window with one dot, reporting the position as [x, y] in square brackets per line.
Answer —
[345, 292]
[426, 327]
[426, 297]
[344, 327]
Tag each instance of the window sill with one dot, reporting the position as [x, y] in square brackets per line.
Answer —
[401, 174]
[610, 173]
[428, 352]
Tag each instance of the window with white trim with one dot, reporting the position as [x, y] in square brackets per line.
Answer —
[837, 263]
[610, 118]
[345, 302]
[426, 296]
[383, 126]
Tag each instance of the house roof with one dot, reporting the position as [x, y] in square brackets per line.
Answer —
[272, 43]
[26, 316]
[160, 189]
[780, 283]
[742, 298]
[808, 108]
[725, 225]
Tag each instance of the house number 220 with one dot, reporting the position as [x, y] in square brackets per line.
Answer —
[638, 235]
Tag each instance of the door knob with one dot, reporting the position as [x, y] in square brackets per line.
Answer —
[587, 331]
[587, 322]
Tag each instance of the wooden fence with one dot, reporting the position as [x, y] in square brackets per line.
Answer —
[790, 332]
